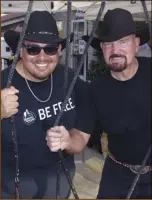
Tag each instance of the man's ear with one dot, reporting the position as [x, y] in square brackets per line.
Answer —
[101, 45]
[21, 52]
[59, 48]
[137, 41]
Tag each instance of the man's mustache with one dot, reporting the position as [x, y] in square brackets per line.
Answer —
[117, 56]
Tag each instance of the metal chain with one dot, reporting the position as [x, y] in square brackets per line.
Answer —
[50, 94]
[136, 179]
[9, 82]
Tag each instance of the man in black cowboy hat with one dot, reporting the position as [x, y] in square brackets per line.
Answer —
[35, 100]
[120, 99]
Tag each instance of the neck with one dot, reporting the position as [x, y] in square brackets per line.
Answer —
[126, 74]
[20, 69]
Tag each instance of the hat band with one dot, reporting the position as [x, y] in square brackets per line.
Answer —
[42, 33]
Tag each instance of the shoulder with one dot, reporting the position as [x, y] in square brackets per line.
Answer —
[145, 65]
[81, 88]
[60, 72]
[80, 83]
[60, 69]
[144, 61]
[5, 71]
[100, 81]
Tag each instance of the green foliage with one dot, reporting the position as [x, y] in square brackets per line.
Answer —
[97, 66]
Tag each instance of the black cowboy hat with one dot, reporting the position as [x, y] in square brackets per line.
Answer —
[42, 28]
[118, 23]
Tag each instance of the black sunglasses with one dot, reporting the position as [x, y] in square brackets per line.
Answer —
[35, 50]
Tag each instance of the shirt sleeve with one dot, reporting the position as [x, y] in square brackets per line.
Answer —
[85, 109]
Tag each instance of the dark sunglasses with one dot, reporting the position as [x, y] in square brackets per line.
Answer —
[35, 50]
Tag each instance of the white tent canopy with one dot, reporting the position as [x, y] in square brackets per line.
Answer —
[90, 7]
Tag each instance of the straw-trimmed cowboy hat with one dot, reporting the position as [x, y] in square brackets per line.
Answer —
[118, 23]
[42, 28]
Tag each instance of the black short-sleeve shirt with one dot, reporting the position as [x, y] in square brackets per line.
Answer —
[34, 118]
[124, 111]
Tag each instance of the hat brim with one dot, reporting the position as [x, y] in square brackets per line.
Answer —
[12, 37]
[142, 33]
[95, 42]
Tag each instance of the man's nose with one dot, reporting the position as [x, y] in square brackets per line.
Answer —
[114, 48]
[42, 54]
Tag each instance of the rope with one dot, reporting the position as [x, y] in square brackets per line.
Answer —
[9, 81]
[136, 179]
[65, 84]
[19, 45]
[148, 20]
[70, 89]
[10, 77]
[67, 56]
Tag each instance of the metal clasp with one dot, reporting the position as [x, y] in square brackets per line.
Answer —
[135, 169]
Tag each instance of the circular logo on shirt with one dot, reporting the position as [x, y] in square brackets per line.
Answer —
[29, 117]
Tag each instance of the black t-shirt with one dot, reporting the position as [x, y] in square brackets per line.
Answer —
[34, 118]
[124, 111]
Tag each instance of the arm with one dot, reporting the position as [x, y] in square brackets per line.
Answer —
[78, 141]
[75, 140]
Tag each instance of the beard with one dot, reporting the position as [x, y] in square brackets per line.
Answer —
[38, 76]
[116, 66]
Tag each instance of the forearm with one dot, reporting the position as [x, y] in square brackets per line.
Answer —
[77, 142]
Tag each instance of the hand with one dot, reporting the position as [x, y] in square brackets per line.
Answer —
[9, 102]
[58, 138]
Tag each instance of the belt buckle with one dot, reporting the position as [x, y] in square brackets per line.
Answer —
[135, 169]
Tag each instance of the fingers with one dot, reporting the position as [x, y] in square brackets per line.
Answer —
[55, 149]
[53, 143]
[53, 134]
[13, 112]
[13, 89]
[10, 91]
[55, 138]
[13, 104]
[60, 129]
[13, 98]
[9, 102]
[56, 131]
[54, 146]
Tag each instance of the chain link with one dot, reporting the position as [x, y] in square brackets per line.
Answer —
[134, 168]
